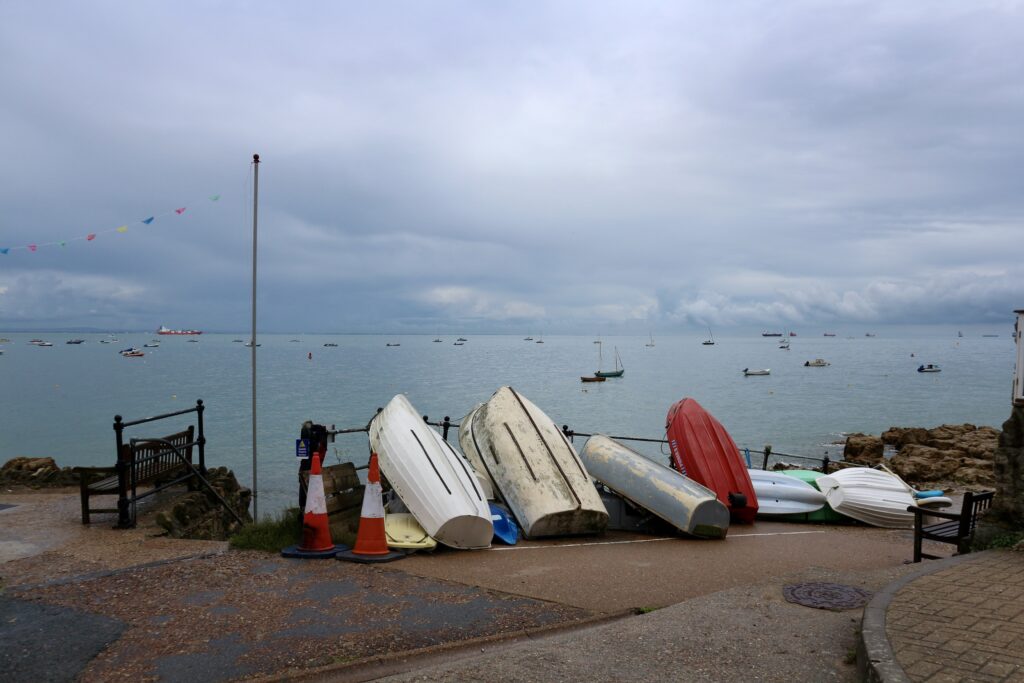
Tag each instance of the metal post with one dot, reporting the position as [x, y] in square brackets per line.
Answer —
[201, 441]
[255, 207]
[767, 454]
[824, 464]
[445, 426]
[568, 432]
[123, 518]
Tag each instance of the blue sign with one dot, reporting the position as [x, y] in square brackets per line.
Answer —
[302, 448]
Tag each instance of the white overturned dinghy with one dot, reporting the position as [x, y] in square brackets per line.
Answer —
[532, 466]
[870, 496]
[680, 501]
[778, 494]
[437, 484]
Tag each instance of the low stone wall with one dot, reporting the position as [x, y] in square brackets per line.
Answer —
[199, 515]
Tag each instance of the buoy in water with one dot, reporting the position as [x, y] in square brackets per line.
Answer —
[310, 355]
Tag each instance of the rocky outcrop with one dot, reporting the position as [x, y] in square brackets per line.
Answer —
[863, 449]
[36, 473]
[199, 515]
[959, 456]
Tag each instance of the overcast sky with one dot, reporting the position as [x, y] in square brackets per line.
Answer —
[512, 166]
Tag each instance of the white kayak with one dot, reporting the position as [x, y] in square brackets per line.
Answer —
[778, 494]
[870, 496]
[532, 466]
[437, 485]
[690, 507]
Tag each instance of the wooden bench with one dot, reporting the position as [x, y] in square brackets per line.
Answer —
[155, 462]
[957, 529]
[138, 464]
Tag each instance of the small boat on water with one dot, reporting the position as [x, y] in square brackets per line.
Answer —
[461, 339]
[435, 483]
[164, 330]
[152, 345]
[829, 334]
[395, 344]
[617, 372]
[870, 496]
[771, 334]
[532, 467]
[132, 352]
[650, 343]
[458, 343]
[703, 451]
[816, 363]
[750, 372]
[710, 341]
[929, 367]
[330, 344]
[74, 341]
[590, 378]
[688, 506]
[784, 345]
[778, 494]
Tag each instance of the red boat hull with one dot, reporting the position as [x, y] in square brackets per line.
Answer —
[703, 451]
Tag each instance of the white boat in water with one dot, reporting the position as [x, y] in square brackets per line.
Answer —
[532, 466]
[690, 507]
[749, 372]
[778, 494]
[437, 485]
[870, 496]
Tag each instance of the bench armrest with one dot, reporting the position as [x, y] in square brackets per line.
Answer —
[919, 511]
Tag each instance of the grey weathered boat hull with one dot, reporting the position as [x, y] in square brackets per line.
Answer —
[680, 501]
[532, 466]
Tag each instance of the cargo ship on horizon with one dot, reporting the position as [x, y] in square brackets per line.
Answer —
[164, 330]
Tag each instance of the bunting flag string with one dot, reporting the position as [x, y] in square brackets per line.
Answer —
[89, 237]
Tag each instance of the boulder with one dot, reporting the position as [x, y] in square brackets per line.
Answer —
[918, 463]
[1008, 466]
[37, 473]
[904, 436]
[863, 449]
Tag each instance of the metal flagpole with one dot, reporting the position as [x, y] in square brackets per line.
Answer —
[252, 340]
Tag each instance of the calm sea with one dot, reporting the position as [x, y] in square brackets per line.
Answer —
[60, 401]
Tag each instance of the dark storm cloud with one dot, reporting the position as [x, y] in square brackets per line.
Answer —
[508, 167]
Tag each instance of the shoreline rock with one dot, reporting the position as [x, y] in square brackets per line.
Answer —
[953, 456]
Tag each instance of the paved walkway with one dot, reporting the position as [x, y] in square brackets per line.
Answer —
[959, 619]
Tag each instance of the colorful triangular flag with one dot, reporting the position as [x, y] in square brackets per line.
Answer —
[32, 247]
[180, 211]
[91, 236]
[123, 228]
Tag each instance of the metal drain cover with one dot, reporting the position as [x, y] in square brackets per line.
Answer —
[832, 596]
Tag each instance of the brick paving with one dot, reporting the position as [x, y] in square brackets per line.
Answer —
[964, 622]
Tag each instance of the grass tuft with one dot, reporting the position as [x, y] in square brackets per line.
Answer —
[271, 535]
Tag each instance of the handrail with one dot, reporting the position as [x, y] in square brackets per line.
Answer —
[190, 466]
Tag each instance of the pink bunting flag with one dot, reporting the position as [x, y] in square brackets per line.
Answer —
[32, 247]
[180, 211]
[91, 236]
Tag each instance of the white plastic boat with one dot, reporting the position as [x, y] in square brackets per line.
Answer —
[436, 484]
[870, 496]
[778, 494]
[532, 466]
[816, 363]
[751, 371]
[680, 501]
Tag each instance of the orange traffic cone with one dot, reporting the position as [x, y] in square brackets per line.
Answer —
[371, 542]
[316, 530]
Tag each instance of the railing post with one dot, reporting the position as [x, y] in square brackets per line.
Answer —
[123, 517]
[767, 454]
[568, 432]
[201, 440]
[824, 464]
[445, 426]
